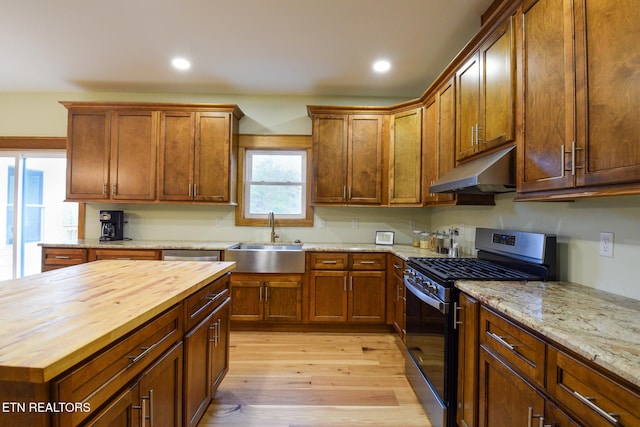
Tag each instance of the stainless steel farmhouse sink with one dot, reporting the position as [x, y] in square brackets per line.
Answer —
[266, 258]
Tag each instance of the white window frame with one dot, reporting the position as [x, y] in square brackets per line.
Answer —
[248, 182]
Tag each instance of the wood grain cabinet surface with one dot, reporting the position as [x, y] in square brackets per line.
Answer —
[405, 158]
[485, 91]
[354, 295]
[266, 297]
[579, 98]
[347, 158]
[509, 375]
[146, 152]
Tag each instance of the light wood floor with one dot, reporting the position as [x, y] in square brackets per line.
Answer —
[315, 379]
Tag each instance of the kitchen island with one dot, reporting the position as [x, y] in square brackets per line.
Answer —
[67, 325]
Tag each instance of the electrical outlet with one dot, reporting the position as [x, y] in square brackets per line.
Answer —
[412, 224]
[606, 245]
[355, 223]
[219, 222]
[322, 223]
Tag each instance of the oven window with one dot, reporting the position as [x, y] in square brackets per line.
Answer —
[426, 341]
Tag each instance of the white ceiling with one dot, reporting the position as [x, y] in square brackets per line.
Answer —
[259, 47]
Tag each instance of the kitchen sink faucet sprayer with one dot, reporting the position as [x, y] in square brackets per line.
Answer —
[272, 224]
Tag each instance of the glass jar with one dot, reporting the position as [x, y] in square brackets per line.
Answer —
[416, 238]
[424, 240]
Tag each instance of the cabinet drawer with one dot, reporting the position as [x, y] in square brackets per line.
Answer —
[202, 303]
[103, 375]
[134, 254]
[367, 261]
[596, 399]
[523, 351]
[53, 258]
[329, 261]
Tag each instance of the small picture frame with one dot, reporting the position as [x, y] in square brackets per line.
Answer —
[384, 237]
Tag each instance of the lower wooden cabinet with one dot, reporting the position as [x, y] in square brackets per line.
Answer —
[266, 297]
[124, 254]
[524, 379]
[54, 258]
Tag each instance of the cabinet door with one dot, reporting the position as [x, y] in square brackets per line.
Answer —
[53, 258]
[88, 147]
[219, 345]
[176, 155]
[446, 134]
[405, 172]
[133, 155]
[505, 399]
[124, 254]
[212, 157]
[329, 158]
[123, 411]
[328, 296]
[246, 297]
[283, 301]
[609, 92]
[197, 371]
[367, 300]
[467, 313]
[400, 297]
[161, 390]
[430, 154]
[468, 104]
[497, 96]
[547, 74]
[364, 159]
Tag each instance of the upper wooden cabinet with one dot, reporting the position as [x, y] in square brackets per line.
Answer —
[405, 162]
[198, 156]
[485, 89]
[347, 157]
[119, 151]
[111, 154]
[579, 97]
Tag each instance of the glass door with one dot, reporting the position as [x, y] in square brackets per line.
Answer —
[32, 209]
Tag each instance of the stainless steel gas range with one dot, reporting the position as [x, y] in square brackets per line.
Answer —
[431, 335]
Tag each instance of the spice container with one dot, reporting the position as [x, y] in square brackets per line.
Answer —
[416, 238]
[424, 240]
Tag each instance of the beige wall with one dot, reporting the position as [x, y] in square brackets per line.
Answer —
[577, 224]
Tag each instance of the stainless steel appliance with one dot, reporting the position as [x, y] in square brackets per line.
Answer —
[207, 255]
[431, 336]
[112, 225]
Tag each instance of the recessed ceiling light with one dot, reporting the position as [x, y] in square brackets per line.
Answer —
[181, 64]
[381, 66]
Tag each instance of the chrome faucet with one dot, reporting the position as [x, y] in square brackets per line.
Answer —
[272, 224]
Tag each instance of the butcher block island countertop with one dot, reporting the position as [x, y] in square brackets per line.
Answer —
[54, 320]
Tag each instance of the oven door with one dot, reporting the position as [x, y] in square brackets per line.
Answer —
[432, 349]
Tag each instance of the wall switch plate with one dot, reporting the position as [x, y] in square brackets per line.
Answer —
[355, 223]
[322, 223]
[219, 222]
[606, 245]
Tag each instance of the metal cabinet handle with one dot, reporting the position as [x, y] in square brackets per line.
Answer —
[62, 257]
[456, 322]
[366, 262]
[473, 140]
[145, 351]
[114, 187]
[329, 262]
[611, 417]
[478, 139]
[531, 416]
[150, 417]
[397, 267]
[502, 341]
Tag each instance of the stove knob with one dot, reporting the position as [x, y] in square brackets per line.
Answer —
[432, 288]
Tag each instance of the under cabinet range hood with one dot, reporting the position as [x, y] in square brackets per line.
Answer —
[493, 173]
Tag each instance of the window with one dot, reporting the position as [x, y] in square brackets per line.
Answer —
[275, 181]
[32, 208]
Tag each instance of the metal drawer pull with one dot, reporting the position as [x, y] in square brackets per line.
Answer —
[502, 341]
[397, 267]
[145, 351]
[531, 416]
[62, 257]
[329, 262]
[367, 262]
[588, 401]
[456, 322]
[150, 417]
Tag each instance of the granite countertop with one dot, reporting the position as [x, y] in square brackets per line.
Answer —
[600, 326]
[52, 321]
[403, 251]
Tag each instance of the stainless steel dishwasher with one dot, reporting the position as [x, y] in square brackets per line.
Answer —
[190, 255]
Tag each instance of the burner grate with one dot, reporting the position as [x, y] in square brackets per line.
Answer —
[469, 269]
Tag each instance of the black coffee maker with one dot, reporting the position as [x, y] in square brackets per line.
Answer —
[112, 225]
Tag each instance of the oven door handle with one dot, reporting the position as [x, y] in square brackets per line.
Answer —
[442, 307]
